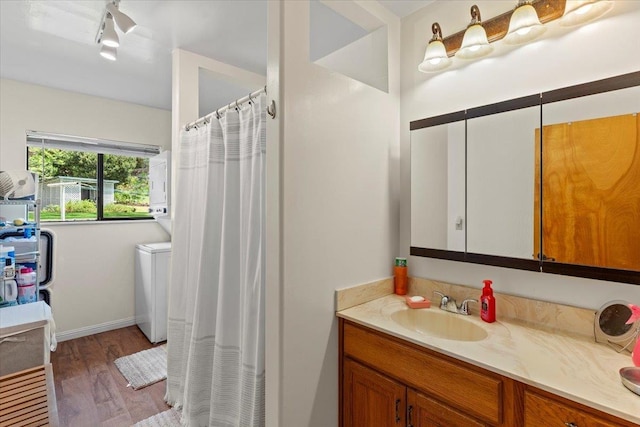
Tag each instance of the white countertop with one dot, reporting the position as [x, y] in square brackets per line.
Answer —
[569, 366]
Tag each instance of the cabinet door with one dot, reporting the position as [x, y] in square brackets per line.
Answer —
[371, 399]
[424, 411]
[542, 411]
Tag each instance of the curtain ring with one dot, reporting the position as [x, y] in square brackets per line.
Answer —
[250, 99]
[237, 107]
[217, 114]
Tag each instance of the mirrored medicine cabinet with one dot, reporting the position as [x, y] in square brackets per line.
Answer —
[548, 182]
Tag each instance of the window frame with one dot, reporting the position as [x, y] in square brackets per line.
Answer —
[75, 143]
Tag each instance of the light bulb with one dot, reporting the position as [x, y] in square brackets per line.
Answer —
[523, 31]
[474, 42]
[584, 9]
[578, 12]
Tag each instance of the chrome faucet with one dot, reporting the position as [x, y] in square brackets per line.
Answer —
[449, 304]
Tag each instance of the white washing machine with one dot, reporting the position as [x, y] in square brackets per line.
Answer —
[152, 276]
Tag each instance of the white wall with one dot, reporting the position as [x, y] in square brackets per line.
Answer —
[94, 273]
[339, 211]
[564, 58]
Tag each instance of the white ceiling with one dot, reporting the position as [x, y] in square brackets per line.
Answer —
[52, 43]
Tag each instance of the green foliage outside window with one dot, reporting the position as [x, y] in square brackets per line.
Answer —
[131, 191]
[81, 206]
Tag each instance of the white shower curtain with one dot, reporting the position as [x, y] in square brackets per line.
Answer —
[215, 357]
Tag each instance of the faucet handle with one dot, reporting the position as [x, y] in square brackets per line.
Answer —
[464, 307]
[444, 299]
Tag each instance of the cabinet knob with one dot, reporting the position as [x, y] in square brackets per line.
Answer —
[397, 411]
[571, 424]
[409, 413]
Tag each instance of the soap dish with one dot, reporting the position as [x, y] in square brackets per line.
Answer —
[631, 379]
[418, 304]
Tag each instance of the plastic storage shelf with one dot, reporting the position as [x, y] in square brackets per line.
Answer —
[27, 252]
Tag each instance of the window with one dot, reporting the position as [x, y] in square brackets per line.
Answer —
[87, 179]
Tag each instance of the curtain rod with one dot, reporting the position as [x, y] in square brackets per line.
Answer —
[221, 110]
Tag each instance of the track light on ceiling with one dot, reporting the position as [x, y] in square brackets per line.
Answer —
[474, 43]
[110, 53]
[107, 36]
[124, 22]
[435, 56]
[580, 11]
[524, 25]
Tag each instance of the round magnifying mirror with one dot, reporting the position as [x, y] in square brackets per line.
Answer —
[611, 325]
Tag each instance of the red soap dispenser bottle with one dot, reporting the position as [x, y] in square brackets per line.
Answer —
[487, 303]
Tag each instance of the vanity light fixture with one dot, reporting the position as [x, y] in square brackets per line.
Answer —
[107, 37]
[524, 25]
[578, 12]
[518, 26]
[435, 56]
[474, 43]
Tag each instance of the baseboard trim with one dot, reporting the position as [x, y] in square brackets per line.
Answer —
[95, 329]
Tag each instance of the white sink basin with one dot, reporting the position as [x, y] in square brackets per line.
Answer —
[440, 324]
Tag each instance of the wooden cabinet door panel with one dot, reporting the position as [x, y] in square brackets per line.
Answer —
[371, 399]
[479, 393]
[424, 411]
[590, 192]
[541, 411]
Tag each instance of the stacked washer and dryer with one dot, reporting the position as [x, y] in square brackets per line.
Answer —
[152, 260]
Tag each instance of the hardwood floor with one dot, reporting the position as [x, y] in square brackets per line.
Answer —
[90, 390]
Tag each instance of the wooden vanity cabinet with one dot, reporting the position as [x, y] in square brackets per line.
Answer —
[371, 398]
[424, 411]
[380, 373]
[388, 382]
[542, 408]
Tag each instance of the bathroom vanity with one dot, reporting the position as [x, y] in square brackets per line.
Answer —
[395, 374]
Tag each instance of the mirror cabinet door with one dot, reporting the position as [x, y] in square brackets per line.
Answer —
[591, 180]
[501, 180]
[437, 187]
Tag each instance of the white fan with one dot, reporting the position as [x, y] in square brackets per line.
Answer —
[17, 184]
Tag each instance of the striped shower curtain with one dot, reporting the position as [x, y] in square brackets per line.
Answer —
[215, 345]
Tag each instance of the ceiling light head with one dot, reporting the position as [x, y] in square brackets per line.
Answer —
[474, 43]
[123, 21]
[109, 36]
[435, 56]
[108, 52]
[578, 12]
[524, 25]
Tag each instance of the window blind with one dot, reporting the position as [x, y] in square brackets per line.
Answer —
[94, 145]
